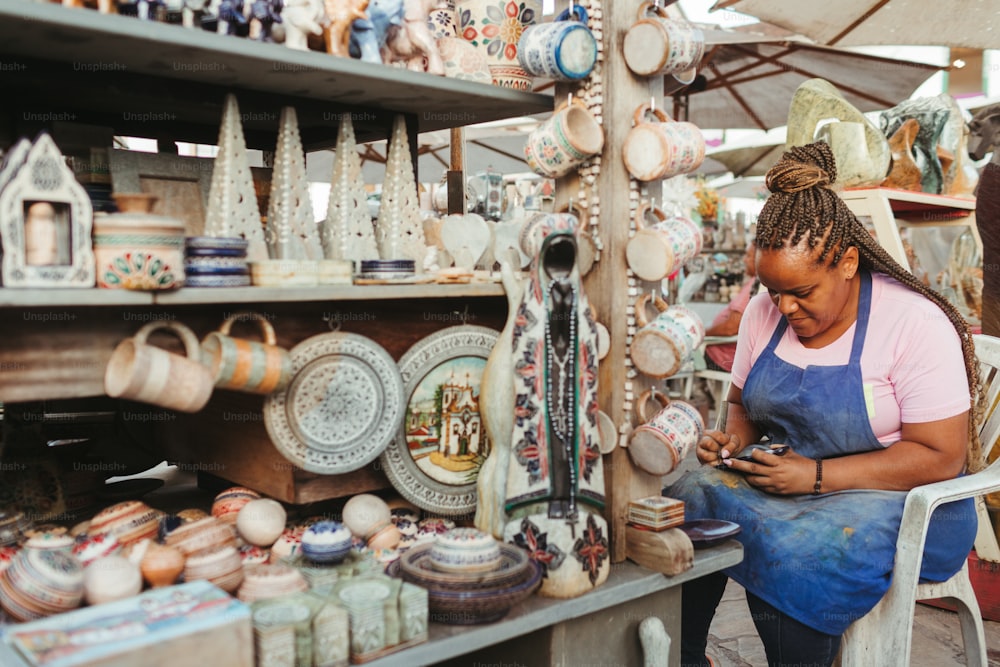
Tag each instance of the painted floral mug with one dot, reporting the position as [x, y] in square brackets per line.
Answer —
[564, 50]
[657, 44]
[661, 442]
[661, 148]
[246, 365]
[564, 141]
[662, 345]
[662, 243]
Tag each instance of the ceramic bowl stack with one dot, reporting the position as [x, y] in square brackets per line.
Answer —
[207, 533]
[13, 524]
[41, 582]
[229, 502]
[386, 269]
[326, 542]
[220, 565]
[469, 576]
[211, 261]
[130, 521]
[261, 582]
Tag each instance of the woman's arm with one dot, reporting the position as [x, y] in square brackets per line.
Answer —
[926, 452]
[727, 327]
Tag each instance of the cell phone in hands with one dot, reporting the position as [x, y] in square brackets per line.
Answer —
[746, 454]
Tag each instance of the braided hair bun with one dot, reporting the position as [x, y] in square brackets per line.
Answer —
[803, 167]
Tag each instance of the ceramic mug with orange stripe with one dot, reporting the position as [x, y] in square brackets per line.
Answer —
[246, 365]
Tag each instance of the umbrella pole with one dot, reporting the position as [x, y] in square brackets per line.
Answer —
[456, 174]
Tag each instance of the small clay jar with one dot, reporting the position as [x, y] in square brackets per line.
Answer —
[162, 565]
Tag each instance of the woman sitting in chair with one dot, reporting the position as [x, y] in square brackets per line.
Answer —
[727, 323]
[868, 376]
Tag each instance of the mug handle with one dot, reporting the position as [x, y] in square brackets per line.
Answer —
[579, 14]
[644, 11]
[191, 346]
[640, 405]
[644, 209]
[267, 331]
[640, 114]
[640, 308]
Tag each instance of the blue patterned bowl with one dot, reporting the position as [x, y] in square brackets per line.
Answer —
[326, 542]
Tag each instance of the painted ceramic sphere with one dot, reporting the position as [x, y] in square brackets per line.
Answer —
[111, 578]
[261, 522]
[229, 502]
[366, 514]
[387, 538]
[326, 542]
[93, 547]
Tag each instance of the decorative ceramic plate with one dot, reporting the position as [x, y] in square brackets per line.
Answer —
[342, 407]
[437, 452]
[708, 532]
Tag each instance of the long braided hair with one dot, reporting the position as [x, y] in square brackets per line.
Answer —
[802, 204]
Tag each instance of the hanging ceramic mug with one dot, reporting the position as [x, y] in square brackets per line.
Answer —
[564, 141]
[142, 372]
[660, 443]
[666, 244]
[564, 50]
[661, 346]
[662, 148]
[657, 44]
[246, 365]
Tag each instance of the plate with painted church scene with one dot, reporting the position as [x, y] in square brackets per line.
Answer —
[435, 458]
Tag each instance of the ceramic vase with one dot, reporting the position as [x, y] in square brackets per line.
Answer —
[495, 27]
[136, 250]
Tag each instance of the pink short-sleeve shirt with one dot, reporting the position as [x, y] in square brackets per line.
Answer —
[912, 365]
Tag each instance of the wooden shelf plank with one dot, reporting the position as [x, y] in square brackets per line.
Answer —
[71, 297]
[142, 63]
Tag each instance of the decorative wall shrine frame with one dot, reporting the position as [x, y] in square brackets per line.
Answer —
[45, 210]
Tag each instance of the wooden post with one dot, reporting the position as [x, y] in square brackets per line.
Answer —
[456, 173]
[606, 284]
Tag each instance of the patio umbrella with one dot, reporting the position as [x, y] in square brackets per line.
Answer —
[748, 160]
[974, 24]
[747, 80]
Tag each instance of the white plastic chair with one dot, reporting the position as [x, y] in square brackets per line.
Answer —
[716, 382]
[883, 636]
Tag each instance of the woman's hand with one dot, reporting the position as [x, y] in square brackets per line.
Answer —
[788, 474]
[714, 446]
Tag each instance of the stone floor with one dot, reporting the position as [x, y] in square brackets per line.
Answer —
[937, 638]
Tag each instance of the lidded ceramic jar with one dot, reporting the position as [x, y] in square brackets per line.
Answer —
[41, 582]
[326, 542]
[128, 521]
[190, 538]
[137, 250]
[161, 565]
[465, 550]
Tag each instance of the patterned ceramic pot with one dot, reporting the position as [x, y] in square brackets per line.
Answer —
[659, 445]
[564, 49]
[495, 27]
[129, 521]
[443, 21]
[465, 550]
[657, 44]
[463, 61]
[564, 141]
[326, 542]
[41, 582]
[138, 251]
[661, 149]
[228, 503]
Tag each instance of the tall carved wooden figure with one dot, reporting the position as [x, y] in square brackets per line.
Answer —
[555, 478]
[984, 136]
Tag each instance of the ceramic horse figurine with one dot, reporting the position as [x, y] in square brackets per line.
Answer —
[368, 35]
[302, 18]
[340, 15]
[412, 42]
[984, 134]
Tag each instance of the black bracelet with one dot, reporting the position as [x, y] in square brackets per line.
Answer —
[819, 477]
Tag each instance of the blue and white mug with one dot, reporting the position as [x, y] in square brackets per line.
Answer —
[564, 49]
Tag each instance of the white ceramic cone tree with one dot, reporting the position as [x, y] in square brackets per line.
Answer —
[292, 232]
[348, 232]
[232, 201]
[399, 230]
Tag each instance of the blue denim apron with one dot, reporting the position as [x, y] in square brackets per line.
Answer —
[824, 560]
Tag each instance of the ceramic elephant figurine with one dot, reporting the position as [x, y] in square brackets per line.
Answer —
[368, 35]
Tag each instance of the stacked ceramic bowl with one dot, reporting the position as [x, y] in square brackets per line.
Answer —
[207, 533]
[261, 582]
[130, 521]
[220, 565]
[215, 261]
[470, 577]
[41, 582]
[386, 269]
[326, 542]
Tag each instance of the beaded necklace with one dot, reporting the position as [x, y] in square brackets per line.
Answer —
[559, 396]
